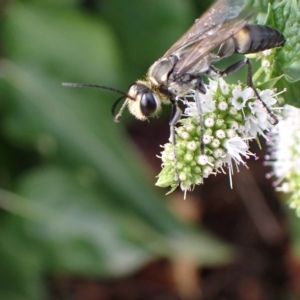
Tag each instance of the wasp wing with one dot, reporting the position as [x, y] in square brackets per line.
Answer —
[220, 12]
[190, 57]
[217, 24]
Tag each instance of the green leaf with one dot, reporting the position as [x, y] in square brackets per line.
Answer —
[81, 229]
[270, 83]
[285, 16]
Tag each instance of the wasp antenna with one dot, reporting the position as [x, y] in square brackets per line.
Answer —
[96, 86]
[119, 114]
[88, 85]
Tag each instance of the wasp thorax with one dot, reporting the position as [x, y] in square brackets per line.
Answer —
[142, 101]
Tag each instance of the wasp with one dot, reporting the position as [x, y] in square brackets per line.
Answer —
[224, 26]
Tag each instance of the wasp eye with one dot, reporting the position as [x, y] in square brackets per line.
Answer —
[148, 104]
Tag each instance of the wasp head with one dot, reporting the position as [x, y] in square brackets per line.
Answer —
[142, 101]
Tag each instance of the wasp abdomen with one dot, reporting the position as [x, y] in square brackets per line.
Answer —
[255, 38]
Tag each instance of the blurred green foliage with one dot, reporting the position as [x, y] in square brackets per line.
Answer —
[75, 194]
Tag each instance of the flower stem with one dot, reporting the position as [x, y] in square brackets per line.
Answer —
[257, 74]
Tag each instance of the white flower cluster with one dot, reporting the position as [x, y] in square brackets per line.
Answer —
[232, 116]
[285, 155]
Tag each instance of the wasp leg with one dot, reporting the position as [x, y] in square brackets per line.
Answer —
[194, 82]
[175, 116]
[237, 66]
